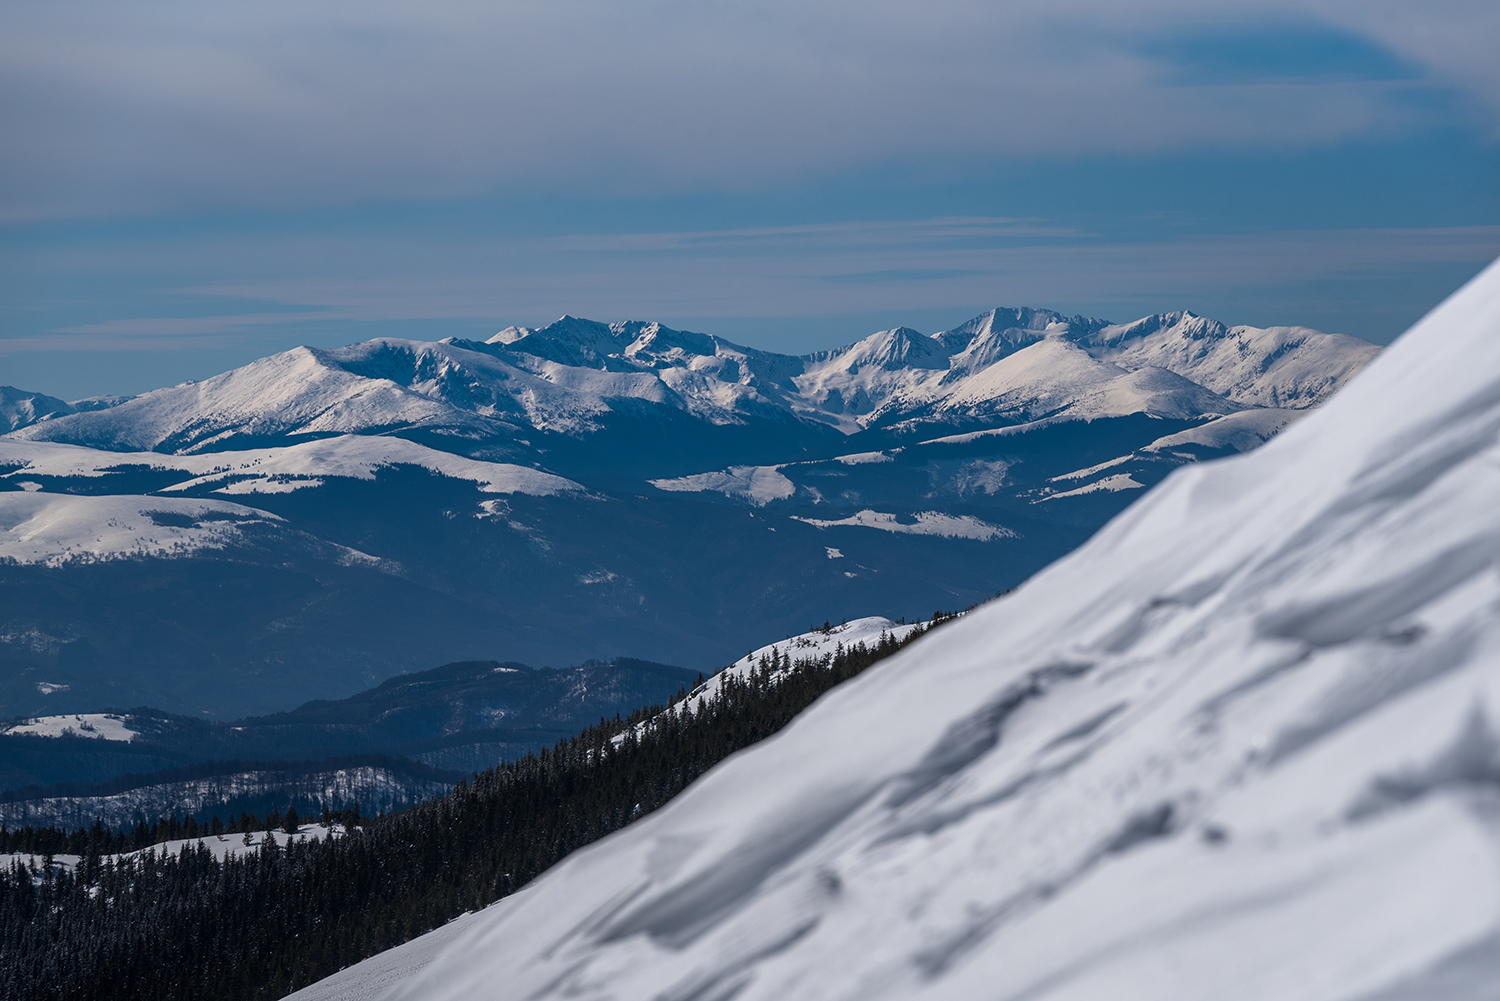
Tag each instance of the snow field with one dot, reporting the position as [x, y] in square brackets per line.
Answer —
[278, 470]
[53, 529]
[103, 726]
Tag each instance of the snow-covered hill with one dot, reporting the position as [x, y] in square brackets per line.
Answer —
[1241, 745]
[96, 726]
[54, 529]
[270, 470]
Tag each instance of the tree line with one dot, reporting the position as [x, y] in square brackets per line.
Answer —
[261, 923]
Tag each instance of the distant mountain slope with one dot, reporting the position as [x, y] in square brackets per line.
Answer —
[1241, 745]
[458, 719]
[318, 520]
[1286, 367]
[19, 408]
[227, 789]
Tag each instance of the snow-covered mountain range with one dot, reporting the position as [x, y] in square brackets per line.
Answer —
[575, 377]
[313, 522]
[1241, 745]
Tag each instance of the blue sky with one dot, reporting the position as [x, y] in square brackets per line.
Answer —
[186, 187]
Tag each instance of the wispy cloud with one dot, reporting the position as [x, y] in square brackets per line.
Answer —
[815, 271]
[179, 105]
[195, 326]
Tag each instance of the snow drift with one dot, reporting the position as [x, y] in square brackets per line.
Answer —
[1243, 744]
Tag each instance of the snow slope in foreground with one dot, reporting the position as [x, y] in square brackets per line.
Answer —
[1241, 745]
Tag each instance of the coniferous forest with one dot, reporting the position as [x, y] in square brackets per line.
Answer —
[263, 923]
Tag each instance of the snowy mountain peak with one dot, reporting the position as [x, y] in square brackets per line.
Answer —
[898, 348]
[1282, 367]
[19, 408]
[1182, 324]
[1016, 318]
[567, 341]
[660, 346]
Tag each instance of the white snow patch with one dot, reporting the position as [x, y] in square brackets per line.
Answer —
[596, 577]
[47, 687]
[1243, 432]
[1008, 431]
[283, 469]
[833, 554]
[981, 476]
[1110, 484]
[760, 485]
[358, 457]
[54, 529]
[103, 726]
[927, 523]
[1083, 474]
[864, 458]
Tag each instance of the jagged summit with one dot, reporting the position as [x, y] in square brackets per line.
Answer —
[577, 377]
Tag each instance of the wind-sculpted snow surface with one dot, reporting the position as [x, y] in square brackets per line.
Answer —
[1244, 744]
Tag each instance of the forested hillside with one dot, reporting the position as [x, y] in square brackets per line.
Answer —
[82, 921]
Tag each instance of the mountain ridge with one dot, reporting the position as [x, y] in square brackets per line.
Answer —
[571, 377]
